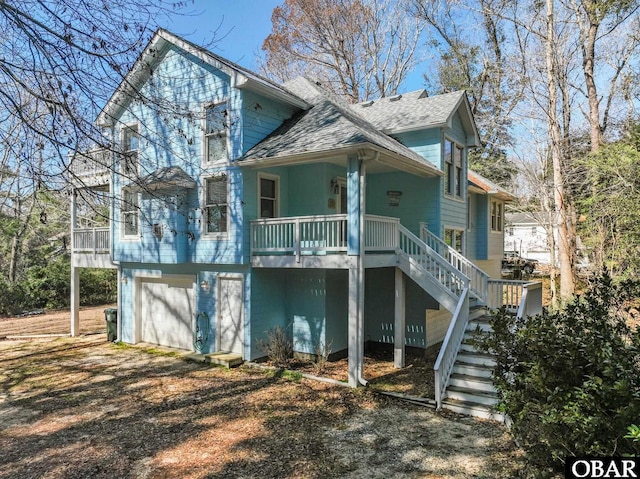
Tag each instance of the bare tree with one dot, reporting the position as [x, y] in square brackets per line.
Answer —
[359, 48]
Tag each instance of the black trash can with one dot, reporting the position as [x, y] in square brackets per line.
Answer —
[111, 317]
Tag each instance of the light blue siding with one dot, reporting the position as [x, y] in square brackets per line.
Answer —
[419, 201]
[261, 116]
[426, 143]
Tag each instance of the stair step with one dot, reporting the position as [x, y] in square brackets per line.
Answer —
[471, 395]
[472, 409]
[475, 383]
[475, 357]
[471, 369]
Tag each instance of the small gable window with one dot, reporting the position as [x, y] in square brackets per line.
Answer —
[454, 238]
[496, 216]
[216, 205]
[130, 213]
[130, 145]
[216, 124]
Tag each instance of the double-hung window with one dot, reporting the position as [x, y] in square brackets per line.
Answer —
[453, 169]
[130, 144]
[268, 195]
[458, 159]
[496, 215]
[216, 206]
[448, 167]
[130, 213]
[216, 124]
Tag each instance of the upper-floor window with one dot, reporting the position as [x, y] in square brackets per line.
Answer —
[130, 213]
[453, 169]
[216, 124]
[268, 196]
[497, 215]
[216, 205]
[130, 145]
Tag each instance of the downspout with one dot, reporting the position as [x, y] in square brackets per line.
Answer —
[361, 269]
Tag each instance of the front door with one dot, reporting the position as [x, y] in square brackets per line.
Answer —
[230, 315]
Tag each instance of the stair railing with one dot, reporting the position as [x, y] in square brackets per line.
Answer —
[443, 366]
[479, 279]
[452, 279]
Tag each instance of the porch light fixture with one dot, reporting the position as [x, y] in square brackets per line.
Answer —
[204, 285]
[335, 187]
[124, 280]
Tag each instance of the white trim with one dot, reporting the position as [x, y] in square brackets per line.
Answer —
[122, 235]
[227, 131]
[203, 209]
[276, 179]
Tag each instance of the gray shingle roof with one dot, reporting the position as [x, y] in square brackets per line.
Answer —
[329, 125]
[409, 111]
[165, 178]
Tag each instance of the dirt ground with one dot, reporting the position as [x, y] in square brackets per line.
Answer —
[82, 407]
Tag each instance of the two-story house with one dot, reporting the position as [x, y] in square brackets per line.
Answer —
[239, 205]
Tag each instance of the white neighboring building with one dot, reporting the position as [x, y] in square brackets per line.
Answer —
[526, 235]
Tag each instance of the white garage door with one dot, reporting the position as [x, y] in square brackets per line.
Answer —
[167, 312]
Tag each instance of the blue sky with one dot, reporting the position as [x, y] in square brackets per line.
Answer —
[239, 27]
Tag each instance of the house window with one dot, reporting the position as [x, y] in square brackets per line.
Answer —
[448, 167]
[130, 145]
[496, 216]
[454, 238]
[215, 132]
[216, 206]
[268, 196]
[458, 159]
[130, 213]
[453, 169]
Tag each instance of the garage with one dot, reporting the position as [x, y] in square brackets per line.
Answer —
[167, 311]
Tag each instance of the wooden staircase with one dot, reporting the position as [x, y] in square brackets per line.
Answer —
[471, 390]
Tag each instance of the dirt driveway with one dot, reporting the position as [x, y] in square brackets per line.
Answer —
[82, 407]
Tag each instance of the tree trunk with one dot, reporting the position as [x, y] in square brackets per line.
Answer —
[561, 213]
[588, 56]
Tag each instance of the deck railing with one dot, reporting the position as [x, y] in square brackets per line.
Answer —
[443, 366]
[299, 235]
[505, 292]
[381, 233]
[92, 240]
[479, 279]
[93, 162]
[531, 302]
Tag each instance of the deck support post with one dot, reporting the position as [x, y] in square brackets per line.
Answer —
[399, 321]
[75, 300]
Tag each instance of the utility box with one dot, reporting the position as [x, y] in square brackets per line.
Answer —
[111, 318]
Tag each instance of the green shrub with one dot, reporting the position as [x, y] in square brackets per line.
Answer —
[570, 380]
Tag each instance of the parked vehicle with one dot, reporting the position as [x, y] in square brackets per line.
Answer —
[512, 261]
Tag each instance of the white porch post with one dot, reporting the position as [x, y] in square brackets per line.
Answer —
[355, 249]
[75, 274]
[75, 300]
[399, 323]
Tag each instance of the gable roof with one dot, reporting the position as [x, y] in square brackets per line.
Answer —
[417, 111]
[153, 52]
[329, 127]
[488, 187]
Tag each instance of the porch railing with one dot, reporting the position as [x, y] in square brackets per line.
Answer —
[450, 346]
[381, 233]
[93, 162]
[299, 235]
[92, 240]
[505, 292]
[479, 279]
